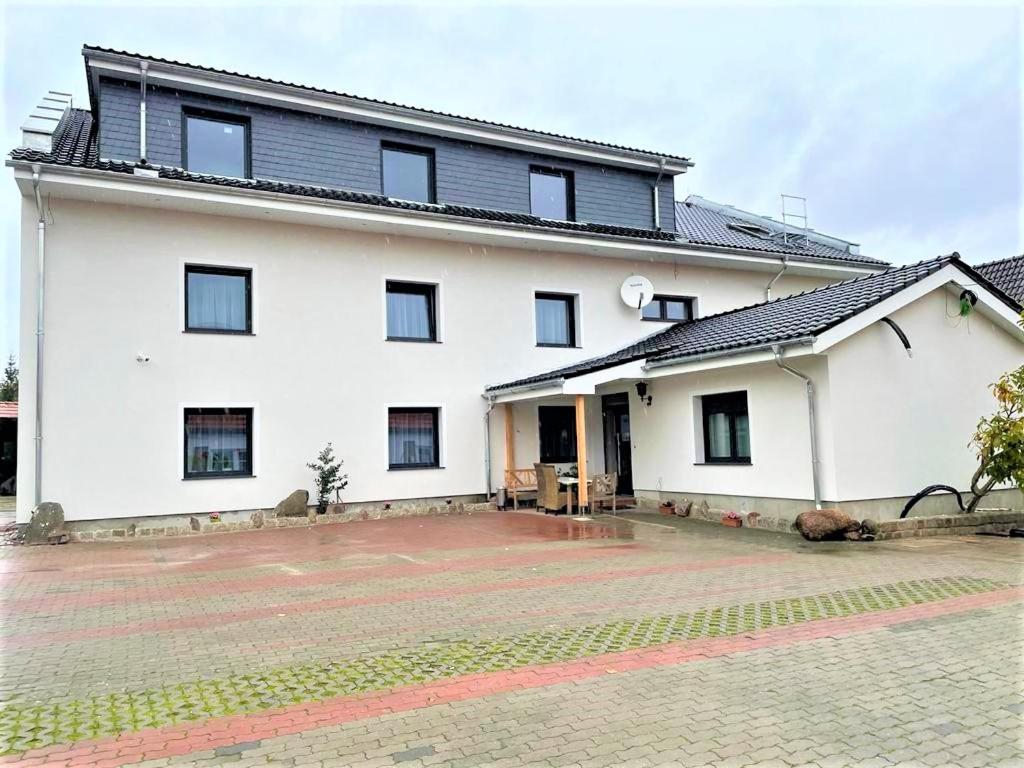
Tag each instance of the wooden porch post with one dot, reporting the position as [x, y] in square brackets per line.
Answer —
[510, 438]
[581, 450]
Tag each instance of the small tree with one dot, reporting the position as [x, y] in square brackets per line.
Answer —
[9, 385]
[999, 439]
[327, 477]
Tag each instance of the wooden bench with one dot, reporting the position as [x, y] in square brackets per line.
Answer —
[521, 483]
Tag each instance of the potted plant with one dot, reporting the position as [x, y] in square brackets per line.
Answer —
[732, 520]
[327, 477]
[667, 507]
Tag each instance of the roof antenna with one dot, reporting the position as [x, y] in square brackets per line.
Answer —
[794, 216]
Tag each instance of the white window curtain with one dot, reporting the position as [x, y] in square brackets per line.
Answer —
[217, 443]
[552, 321]
[217, 302]
[411, 438]
[408, 315]
[719, 439]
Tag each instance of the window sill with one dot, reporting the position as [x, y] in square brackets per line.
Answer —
[559, 346]
[411, 469]
[217, 477]
[414, 341]
[215, 332]
[662, 320]
[723, 464]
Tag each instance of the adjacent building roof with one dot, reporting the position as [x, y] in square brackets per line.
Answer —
[703, 222]
[801, 316]
[88, 49]
[8, 410]
[1007, 275]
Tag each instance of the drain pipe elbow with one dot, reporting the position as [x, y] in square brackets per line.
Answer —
[40, 295]
[781, 272]
[811, 421]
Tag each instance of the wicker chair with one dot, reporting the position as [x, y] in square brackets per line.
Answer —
[603, 489]
[549, 498]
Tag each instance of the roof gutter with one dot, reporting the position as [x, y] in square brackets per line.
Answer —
[801, 341]
[492, 393]
[811, 421]
[40, 294]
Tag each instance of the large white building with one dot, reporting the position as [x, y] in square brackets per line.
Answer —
[227, 272]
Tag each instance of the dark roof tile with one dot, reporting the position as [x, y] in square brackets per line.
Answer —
[1007, 275]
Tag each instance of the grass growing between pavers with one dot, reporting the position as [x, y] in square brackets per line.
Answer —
[24, 727]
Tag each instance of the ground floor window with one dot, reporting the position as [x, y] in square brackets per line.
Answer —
[726, 428]
[557, 424]
[413, 438]
[218, 442]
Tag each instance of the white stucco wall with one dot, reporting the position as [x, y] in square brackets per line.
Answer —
[665, 440]
[318, 368]
[902, 423]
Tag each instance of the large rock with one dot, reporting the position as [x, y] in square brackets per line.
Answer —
[47, 520]
[296, 505]
[821, 524]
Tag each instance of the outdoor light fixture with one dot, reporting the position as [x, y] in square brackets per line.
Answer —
[641, 391]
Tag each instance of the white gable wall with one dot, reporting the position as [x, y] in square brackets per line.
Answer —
[899, 423]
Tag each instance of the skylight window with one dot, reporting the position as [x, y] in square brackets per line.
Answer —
[751, 229]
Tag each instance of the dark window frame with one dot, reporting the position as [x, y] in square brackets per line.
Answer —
[570, 301]
[231, 118]
[412, 149]
[425, 289]
[213, 269]
[564, 414]
[731, 404]
[570, 189]
[435, 412]
[661, 299]
[228, 411]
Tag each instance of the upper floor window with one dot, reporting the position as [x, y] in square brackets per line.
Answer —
[411, 311]
[407, 173]
[556, 319]
[726, 428]
[670, 309]
[216, 144]
[218, 299]
[218, 442]
[552, 194]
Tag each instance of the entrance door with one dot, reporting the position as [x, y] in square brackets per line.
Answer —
[618, 455]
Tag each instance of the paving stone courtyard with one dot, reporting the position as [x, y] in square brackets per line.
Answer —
[513, 639]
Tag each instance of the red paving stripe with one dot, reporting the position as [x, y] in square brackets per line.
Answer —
[270, 611]
[183, 739]
[204, 589]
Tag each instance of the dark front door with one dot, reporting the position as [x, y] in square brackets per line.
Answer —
[618, 455]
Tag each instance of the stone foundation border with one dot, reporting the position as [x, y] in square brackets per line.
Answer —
[257, 519]
[951, 525]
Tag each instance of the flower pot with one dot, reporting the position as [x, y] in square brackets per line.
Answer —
[732, 522]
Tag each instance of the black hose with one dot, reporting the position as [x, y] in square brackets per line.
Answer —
[932, 489]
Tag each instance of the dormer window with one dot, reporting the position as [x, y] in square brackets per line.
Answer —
[216, 144]
[407, 173]
[552, 194]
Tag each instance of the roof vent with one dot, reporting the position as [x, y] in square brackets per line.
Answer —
[37, 130]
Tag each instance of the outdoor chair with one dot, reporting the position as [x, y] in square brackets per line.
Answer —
[521, 484]
[603, 489]
[549, 498]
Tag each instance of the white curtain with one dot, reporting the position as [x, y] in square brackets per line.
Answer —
[411, 439]
[719, 441]
[408, 316]
[216, 302]
[552, 321]
[217, 443]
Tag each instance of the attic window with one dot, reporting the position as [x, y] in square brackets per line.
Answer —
[751, 229]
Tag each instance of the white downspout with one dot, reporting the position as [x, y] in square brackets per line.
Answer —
[768, 288]
[487, 442]
[40, 293]
[812, 423]
[143, 71]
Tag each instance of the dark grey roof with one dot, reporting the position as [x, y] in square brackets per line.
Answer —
[74, 144]
[313, 89]
[1007, 275]
[801, 316]
[702, 223]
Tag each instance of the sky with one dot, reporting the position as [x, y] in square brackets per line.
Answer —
[900, 124]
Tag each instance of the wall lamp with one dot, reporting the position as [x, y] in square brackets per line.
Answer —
[641, 392]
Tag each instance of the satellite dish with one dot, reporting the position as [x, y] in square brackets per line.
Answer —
[637, 291]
